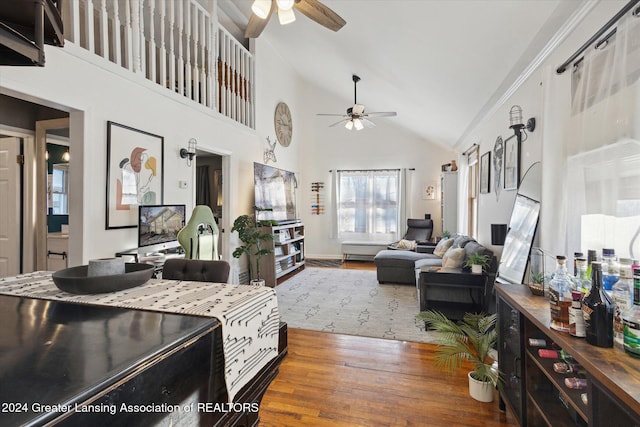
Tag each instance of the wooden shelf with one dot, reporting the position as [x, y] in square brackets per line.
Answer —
[613, 391]
[291, 252]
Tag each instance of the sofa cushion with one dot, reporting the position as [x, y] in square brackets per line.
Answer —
[453, 258]
[461, 241]
[391, 258]
[442, 247]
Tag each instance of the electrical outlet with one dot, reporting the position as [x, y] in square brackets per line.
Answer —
[182, 184]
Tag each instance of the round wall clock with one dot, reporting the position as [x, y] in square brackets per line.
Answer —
[283, 124]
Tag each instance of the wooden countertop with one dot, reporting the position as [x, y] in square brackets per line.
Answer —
[611, 367]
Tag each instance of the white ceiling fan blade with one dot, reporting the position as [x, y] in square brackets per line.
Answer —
[338, 123]
[383, 114]
[331, 115]
[368, 123]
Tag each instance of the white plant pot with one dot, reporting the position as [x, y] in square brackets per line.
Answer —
[479, 390]
[257, 282]
[476, 269]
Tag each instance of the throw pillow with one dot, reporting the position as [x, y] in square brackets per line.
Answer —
[407, 244]
[453, 258]
[442, 247]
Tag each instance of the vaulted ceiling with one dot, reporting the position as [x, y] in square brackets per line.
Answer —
[441, 64]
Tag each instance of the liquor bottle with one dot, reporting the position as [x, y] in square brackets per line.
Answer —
[560, 296]
[621, 294]
[576, 256]
[576, 318]
[631, 319]
[597, 310]
[610, 269]
[582, 275]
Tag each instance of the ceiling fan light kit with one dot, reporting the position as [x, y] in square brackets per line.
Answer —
[261, 8]
[312, 9]
[356, 116]
[286, 16]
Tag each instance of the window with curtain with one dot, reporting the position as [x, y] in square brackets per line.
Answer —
[368, 204]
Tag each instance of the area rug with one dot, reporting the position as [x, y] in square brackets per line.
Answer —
[351, 302]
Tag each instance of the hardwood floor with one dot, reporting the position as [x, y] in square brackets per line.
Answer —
[340, 380]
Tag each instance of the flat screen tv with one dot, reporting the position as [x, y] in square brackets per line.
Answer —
[275, 190]
[158, 226]
[517, 244]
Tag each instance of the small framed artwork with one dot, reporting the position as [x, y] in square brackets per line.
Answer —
[511, 164]
[135, 163]
[485, 173]
[429, 192]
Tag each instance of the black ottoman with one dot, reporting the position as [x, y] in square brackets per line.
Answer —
[394, 266]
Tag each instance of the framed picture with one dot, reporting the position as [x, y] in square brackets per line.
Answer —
[511, 164]
[485, 173]
[429, 191]
[135, 165]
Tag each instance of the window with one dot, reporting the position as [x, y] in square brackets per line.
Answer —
[60, 189]
[368, 204]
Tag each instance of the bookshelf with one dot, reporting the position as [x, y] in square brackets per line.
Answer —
[288, 252]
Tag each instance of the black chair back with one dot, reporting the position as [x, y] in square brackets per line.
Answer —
[196, 270]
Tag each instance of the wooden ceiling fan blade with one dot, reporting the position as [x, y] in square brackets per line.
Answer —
[383, 114]
[256, 25]
[320, 13]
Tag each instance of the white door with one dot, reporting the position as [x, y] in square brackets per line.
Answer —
[10, 209]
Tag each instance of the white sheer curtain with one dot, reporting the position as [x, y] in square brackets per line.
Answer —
[463, 194]
[368, 204]
[600, 156]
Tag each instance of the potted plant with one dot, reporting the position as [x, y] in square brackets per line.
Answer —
[250, 233]
[536, 285]
[477, 262]
[446, 234]
[473, 339]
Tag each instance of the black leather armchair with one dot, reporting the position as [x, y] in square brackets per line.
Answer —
[419, 230]
[196, 270]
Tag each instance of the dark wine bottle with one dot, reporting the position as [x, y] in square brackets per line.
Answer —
[597, 309]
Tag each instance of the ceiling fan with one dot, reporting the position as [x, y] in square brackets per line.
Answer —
[312, 9]
[356, 117]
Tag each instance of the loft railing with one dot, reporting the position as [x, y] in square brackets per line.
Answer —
[176, 44]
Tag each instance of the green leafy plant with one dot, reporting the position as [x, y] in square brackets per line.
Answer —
[537, 278]
[477, 259]
[446, 234]
[250, 233]
[470, 339]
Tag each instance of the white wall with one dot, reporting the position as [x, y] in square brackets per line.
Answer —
[545, 96]
[385, 146]
[96, 91]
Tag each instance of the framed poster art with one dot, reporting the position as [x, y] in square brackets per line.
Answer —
[485, 173]
[135, 166]
[511, 164]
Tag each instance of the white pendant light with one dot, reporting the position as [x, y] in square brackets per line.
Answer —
[349, 125]
[286, 16]
[284, 4]
[261, 8]
[357, 123]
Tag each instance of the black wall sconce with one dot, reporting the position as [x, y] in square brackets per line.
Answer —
[516, 122]
[190, 152]
[498, 234]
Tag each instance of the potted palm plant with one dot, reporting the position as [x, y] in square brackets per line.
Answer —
[253, 236]
[473, 339]
[477, 262]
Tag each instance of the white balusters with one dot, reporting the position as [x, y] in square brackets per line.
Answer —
[175, 43]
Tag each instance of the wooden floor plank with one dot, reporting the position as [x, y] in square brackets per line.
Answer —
[342, 380]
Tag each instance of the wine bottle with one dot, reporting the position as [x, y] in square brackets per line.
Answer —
[598, 311]
[560, 296]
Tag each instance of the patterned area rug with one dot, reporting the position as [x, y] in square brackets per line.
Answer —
[351, 302]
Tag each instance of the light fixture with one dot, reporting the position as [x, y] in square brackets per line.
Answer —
[261, 8]
[357, 123]
[516, 122]
[286, 16]
[349, 125]
[190, 152]
[66, 156]
[46, 155]
[285, 4]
